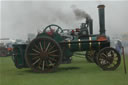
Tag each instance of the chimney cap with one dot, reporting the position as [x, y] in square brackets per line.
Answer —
[101, 6]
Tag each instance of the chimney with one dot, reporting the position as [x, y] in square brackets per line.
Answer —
[101, 19]
[91, 26]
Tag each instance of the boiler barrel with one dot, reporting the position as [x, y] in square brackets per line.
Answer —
[85, 44]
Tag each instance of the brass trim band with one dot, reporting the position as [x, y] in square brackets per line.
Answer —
[90, 38]
[69, 44]
[90, 45]
[99, 44]
[79, 44]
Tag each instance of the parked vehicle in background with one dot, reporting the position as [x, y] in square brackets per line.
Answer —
[6, 47]
[3, 50]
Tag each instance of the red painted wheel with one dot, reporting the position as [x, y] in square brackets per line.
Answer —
[43, 55]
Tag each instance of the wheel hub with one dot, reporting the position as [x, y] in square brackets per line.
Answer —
[43, 55]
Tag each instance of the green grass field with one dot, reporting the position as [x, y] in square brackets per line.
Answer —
[79, 72]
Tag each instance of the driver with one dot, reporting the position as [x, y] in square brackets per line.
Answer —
[50, 32]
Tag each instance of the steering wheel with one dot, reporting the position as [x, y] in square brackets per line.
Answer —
[54, 28]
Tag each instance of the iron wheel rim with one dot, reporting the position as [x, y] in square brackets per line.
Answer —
[108, 58]
[58, 28]
[43, 55]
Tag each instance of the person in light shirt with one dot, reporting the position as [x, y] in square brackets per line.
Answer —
[118, 46]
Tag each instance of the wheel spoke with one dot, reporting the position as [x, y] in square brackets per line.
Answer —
[103, 62]
[57, 30]
[115, 58]
[52, 59]
[36, 61]
[50, 27]
[43, 65]
[111, 65]
[52, 51]
[35, 57]
[36, 46]
[104, 55]
[47, 47]
[41, 46]
[51, 64]
[51, 47]
[35, 51]
[110, 53]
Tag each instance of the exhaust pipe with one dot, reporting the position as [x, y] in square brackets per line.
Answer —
[91, 26]
[101, 19]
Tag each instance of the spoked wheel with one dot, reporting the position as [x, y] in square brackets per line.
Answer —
[53, 28]
[43, 55]
[108, 58]
[90, 56]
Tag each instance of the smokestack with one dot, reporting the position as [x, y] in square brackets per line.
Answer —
[101, 19]
[91, 26]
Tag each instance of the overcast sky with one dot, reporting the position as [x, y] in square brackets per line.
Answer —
[18, 18]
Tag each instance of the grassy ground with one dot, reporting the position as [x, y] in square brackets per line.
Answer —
[80, 72]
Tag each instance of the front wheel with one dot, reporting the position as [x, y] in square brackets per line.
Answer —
[108, 58]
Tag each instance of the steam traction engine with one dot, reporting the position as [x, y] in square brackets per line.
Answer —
[52, 47]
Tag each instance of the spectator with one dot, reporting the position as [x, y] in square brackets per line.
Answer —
[118, 46]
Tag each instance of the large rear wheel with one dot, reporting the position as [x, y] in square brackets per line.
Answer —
[43, 54]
